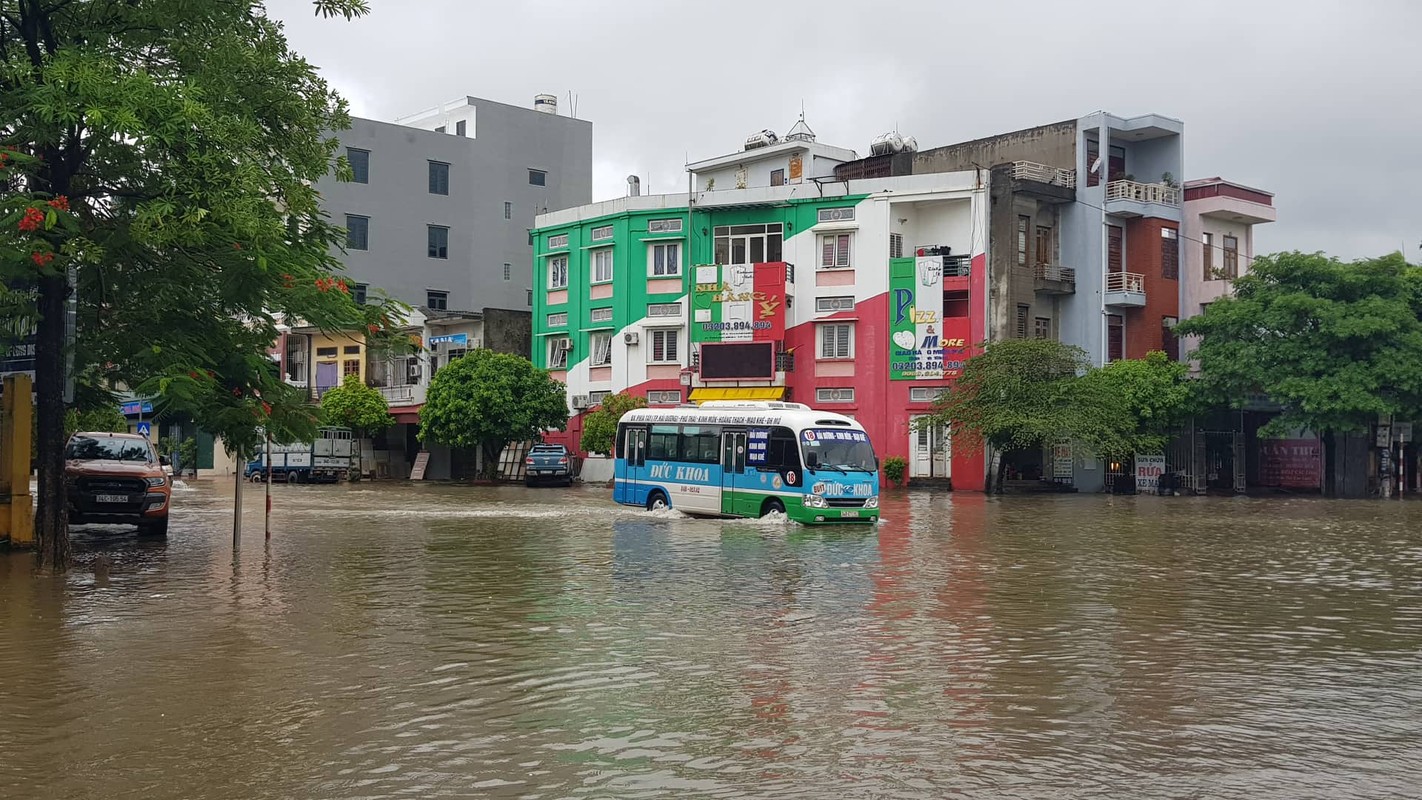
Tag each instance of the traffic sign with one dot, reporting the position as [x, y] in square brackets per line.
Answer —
[144, 429]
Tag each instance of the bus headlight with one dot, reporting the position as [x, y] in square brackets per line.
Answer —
[872, 502]
[815, 501]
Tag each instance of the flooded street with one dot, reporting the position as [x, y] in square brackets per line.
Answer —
[434, 641]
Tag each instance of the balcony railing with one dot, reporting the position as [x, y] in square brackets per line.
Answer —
[1054, 272]
[1125, 282]
[1032, 171]
[1143, 192]
[410, 394]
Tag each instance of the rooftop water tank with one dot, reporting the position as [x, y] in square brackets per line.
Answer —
[765, 138]
[546, 103]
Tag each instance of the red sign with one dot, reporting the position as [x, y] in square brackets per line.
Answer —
[1290, 463]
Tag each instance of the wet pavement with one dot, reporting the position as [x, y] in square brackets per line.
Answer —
[437, 641]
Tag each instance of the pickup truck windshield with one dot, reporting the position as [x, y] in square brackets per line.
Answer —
[84, 448]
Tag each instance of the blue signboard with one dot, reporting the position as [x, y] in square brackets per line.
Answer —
[144, 429]
[461, 339]
[757, 446]
[134, 408]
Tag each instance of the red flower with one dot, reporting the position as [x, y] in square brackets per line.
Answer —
[373, 328]
[267, 407]
[193, 374]
[60, 203]
[32, 220]
[236, 245]
[236, 391]
[342, 286]
[41, 259]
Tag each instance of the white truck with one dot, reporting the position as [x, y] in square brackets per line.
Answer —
[326, 460]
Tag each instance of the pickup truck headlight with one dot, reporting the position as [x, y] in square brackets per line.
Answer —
[163, 481]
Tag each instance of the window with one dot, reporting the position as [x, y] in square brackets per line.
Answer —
[1023, 222]
[748, 244]
[1169, 341]
[595, 398]
[360, 164]
[558, 320]
[1115, 337]
[439, 177]
[357, 232]
[836, 214]
[1046, 252]
[955, 304]
[602, 266]
[460, 127]
[664, 346]
[668, 397]
[1169, 254]
[508, 270]
[454, 355]
[558, 347]
[1115, 246]
[834, 395]
[1023, 313]
[830, 305]
[557, 242]
[836, 341]
[326, 352]
[537, 177]
[666, 260]
[558, 272]
[925, 394]
[1231, 257]
[508, 211]
[437, 301]
[664, 310]
[896, 245]
[601, 349]
[777, 177]
[600, 315]
[601, 233]
[664, 226]
[350, 367]
[529, 294]
[1207, 244]
[438, 241]
[358, 293]
[1042, 327]
[834, 250]
[351, 350]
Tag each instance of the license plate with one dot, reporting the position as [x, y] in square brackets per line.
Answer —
[851, 514]
[111, 498]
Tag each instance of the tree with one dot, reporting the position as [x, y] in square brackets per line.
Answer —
[1132, 405]
[359, 407]
[488, 399]
[1336, 345]
[600, 427]
[158, 160]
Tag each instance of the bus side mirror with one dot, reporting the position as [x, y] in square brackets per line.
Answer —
[812, 460]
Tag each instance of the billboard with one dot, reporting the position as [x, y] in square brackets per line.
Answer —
[739, 303]
[725, 361]
[923, 343]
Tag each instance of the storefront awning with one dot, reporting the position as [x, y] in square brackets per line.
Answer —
[738, 393]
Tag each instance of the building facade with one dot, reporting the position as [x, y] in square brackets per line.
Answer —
[1218, 228]
[860, 296]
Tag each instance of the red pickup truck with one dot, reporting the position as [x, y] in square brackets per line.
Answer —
[117, 478]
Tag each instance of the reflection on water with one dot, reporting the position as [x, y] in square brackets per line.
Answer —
[424, 641]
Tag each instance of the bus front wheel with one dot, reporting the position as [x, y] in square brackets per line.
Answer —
[772, 506]
[656, 501]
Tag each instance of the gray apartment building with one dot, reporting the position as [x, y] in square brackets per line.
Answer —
[441, 203]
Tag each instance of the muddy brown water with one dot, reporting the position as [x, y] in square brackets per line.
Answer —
[433, 641]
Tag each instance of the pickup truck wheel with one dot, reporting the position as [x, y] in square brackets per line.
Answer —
[657, 500]
[291, 477]
[154, 528]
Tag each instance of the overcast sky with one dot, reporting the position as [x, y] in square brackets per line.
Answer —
[1319, 102]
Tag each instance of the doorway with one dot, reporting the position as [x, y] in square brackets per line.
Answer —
[930, 451]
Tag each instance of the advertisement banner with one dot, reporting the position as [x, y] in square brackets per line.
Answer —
[1290, 463]
[1149, 468]
[1061, 460]
[739, 303]
[923, 344]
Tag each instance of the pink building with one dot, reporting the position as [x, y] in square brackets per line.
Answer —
[1218, 231]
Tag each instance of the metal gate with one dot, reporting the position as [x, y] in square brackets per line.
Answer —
[1207, 461]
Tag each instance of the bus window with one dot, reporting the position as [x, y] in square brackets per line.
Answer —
[700, 444]
[783, 451]
[665, 443]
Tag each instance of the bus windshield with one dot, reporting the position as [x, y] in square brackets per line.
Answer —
[838, 449]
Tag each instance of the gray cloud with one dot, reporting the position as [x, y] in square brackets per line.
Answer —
[1314, 100]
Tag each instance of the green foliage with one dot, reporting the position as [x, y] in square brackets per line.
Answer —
[102, 418]
[894, 468]
[1336, 344]
[184, 449]
[488, 399]
[1132, 405]
[356, 406]
[600, 427]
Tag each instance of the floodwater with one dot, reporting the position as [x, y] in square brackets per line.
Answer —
[435, 641]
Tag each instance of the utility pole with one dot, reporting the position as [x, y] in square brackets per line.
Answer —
[269, 488]
[237, 507]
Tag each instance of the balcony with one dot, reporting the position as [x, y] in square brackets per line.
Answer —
[1132, 199]
[1052, 184]
[1125, 289]
[408, 395]
[1054, 279]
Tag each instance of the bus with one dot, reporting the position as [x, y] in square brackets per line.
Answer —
[747, 459]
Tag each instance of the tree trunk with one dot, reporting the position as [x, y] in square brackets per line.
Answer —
[1330, 457]
[1001, 479]
[52, 519]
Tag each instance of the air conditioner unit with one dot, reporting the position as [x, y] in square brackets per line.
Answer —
[476, 344]
[580, 401]
[565, 344]
[629, 337]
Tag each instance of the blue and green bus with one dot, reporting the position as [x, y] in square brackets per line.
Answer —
[747, 459]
